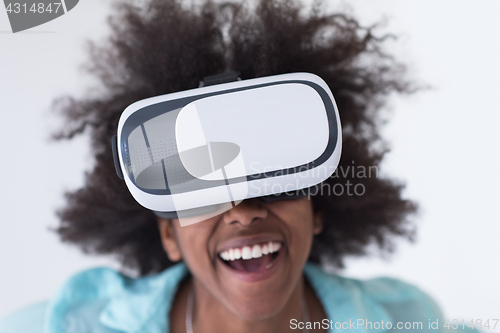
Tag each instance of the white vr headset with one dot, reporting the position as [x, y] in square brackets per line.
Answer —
[194, 154]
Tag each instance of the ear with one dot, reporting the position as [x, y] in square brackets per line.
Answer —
[318, 222]
[168, 239]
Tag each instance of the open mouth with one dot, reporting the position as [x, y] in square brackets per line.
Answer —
[252, 259]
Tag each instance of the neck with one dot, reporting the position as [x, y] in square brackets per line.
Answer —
[211, 316]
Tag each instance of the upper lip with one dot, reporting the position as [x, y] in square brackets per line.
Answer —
[240, 242]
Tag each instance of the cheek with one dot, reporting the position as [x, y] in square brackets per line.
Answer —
[301, 239]
[193, 245]
[298, 217]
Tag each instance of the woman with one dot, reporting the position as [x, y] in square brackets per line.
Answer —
[186, 280]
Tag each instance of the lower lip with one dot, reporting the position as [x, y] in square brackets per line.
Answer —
[256, 276]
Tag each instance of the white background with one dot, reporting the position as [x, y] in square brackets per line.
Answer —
[444, 145]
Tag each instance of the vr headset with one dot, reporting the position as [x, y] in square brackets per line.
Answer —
[195, 154]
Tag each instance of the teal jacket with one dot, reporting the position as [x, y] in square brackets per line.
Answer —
[104, 301]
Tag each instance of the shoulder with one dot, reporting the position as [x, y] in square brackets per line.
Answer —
[80, 294]
[382, 289]
[99, 300]
[77, 305]
[29, 319]
[404, 301]
[374, 300]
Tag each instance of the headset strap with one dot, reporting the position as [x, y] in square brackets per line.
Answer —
[225, 77]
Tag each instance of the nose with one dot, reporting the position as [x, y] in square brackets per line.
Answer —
[247, 212]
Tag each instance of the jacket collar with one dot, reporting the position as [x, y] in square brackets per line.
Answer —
[143, 307]
[145, 304]
[345, 301]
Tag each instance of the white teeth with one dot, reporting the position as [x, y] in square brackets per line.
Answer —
[237, 253]
[256, 251]
[248, 252]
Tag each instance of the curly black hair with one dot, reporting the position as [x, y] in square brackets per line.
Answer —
[163, 47]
